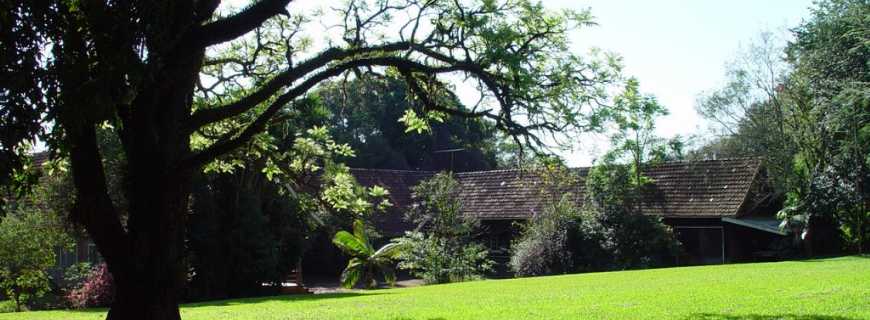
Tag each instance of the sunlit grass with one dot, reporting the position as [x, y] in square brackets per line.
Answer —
[831, 289]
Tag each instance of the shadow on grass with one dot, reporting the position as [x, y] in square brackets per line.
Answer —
[286, 298]
[830, 257]
[714, 316]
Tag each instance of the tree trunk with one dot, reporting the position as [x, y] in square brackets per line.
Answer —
[149, 286]
[148, 283]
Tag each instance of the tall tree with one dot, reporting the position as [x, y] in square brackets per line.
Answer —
[186, 84]
[803, 107]
[634, 137]
[829, 121]
[748, 112]
[365, 113]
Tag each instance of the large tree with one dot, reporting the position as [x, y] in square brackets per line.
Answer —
[365, 113]
[805, 108]
[185, 84]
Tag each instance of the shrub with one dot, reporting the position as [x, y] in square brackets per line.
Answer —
[543, 247]
[7, 306]
[75, 274]
[445, 250]
[96, 291]
[28, 237]
[437, 260]
[613, 231]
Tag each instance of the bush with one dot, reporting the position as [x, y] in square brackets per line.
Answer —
[613, 231]
[436, 260]
[96, 291]
[28, 237]
[75, 274]
[446, 252]
[7, 306]
[543, 248]
[609, 232]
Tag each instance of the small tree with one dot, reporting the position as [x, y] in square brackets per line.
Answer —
[635, 138]
[442, 247]
[365, 260]
[28, 239]
[437, 211]
[614, 233]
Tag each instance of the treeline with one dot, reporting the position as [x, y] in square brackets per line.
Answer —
[804, 107]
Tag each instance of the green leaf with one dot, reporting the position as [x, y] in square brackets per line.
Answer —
[359, 232]
[350, 245]
[352, 273]
[389, 251]
[414, 123]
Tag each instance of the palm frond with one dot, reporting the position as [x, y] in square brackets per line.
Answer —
[351, 245]
[389, 251]
[352, 273]
[359, 231]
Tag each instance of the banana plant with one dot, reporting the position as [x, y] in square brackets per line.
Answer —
[365, 261]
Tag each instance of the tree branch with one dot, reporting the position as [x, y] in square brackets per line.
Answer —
[93, 207]
[230, 143]
[210, 115]
[237, 25]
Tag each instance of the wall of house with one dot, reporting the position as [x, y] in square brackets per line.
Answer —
[741, 244]
[703, 239]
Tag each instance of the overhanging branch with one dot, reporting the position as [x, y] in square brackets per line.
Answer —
[230, 143]
[210, 115]
[237, 25]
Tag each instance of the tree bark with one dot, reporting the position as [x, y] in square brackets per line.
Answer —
[148, 287]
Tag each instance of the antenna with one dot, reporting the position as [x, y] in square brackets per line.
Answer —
[452, 153]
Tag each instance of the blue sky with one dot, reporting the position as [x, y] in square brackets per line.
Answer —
[677, 49]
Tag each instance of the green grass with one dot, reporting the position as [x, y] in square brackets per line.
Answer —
[831, 289]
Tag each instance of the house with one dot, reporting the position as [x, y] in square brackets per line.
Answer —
[720, 210]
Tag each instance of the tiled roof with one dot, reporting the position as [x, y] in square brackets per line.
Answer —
[711, 188]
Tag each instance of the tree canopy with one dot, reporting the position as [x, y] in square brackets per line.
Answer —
[188, 85]
[803, 107]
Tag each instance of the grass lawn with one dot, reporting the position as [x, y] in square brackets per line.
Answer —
[830, 289]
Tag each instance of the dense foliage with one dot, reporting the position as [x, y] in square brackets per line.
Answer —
[440, 260]
[365, 114]
[614, 232]
[30, 234]
[443, 246]
[605, 230]
[804, 107]
[544, 247]
[26, 253]
[243, 234]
